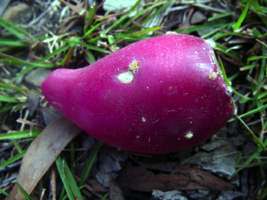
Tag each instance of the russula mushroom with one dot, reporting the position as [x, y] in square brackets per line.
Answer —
[155, 96]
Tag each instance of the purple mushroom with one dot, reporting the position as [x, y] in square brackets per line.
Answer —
[155, 96]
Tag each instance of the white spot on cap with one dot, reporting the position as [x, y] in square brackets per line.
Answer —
[189, 135]
[137, 137]
[126, 77]
[143, 119]
[213, 75]
[171, 33]
[203, 66]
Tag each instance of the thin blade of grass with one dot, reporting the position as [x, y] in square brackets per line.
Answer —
[13, 29]
[224, 75]
[12, 43]
[97, 49]
[138, 35]
[257, 141]
[3, 192]
[12, 159]
[253, 157]
[68, 180]
[19, 135]
[19, 62]
[26, 196]
[104, 197]
[89, 16]
[8, 99]
[253, 111]
[236, 26]
[89, 163]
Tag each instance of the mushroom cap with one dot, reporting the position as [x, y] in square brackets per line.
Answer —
[155, 96]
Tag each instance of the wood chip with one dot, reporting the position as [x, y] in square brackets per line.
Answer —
[183, 178]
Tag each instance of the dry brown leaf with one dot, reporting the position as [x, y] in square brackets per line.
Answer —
[184, 178]
[42, 153]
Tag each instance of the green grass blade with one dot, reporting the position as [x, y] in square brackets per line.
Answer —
[253, 157]
[89, 16]
[236, 26]
[68, 180]
[8, 99]
[18, 135]
[3, 192]
[89, 163]
[26, 196]
[13, 29]
[12, 159]
[89, 31]
[253, 111]
[97, 49]
[253, 58]
[137, 35]
[19, 62]
[104, 197]
[257, 141]
[224, 75]
[12, 43]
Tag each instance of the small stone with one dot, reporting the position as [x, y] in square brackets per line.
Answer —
[230, 195]
[220, 160]
[115, 192]
[169, 195]
[215, 144]
[199, 195]
[109, 165]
